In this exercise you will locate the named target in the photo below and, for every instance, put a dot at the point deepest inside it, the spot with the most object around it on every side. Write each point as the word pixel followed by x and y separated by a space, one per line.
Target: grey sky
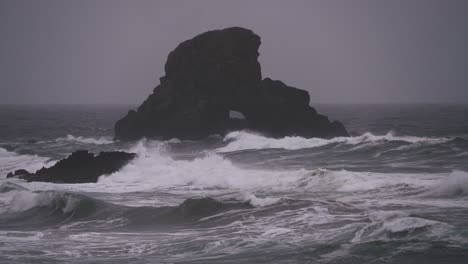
pixel 114 51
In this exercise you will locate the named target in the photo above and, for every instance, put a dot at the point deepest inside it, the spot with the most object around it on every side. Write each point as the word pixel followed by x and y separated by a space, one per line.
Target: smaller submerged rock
pixel 80 167
pixel 19 173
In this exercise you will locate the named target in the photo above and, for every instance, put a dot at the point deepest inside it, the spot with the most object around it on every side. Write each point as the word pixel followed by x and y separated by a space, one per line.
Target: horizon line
pixel 314 103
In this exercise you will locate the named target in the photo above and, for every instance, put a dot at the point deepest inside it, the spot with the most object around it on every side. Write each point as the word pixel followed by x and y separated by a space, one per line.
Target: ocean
pixel 395 191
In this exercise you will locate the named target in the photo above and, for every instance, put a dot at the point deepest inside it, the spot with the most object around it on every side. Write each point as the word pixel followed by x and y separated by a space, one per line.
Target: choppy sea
pixel 395 191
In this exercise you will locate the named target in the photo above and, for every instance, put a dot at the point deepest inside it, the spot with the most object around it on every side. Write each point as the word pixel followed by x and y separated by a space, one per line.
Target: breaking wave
pixel 27 209
pixel 155 169
pixel 241 140
pixel 88 140
pixel 387 225
pixel 258 201
pixel 24 209
pixel 455 184
pixel 12 161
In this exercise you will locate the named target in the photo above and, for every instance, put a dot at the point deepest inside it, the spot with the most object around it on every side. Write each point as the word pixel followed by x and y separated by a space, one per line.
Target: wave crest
pixel 455 184
pixel 387 225
pixel 23 200
pixel 155 169
pixel 88 140
pixel 11 161
pixel 241 140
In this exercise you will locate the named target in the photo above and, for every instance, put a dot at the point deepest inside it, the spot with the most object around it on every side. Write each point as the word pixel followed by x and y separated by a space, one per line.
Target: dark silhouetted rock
pixel 80 167
pixel 19 173
pixel 212 74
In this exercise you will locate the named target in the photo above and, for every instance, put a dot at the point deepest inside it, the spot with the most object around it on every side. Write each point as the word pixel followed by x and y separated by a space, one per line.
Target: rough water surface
pixel 395 191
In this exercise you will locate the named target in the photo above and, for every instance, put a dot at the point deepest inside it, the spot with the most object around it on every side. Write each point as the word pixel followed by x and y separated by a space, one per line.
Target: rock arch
pixel 212 74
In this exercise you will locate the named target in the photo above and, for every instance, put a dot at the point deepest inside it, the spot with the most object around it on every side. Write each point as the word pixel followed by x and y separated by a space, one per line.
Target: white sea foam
pixel 256 201
pixel 153 168
pixel 11 161
pixel 455 184
pixel 394 224
pixel 241 140
pixel 20 200
pixel 88 140
pixel 16 236
pixel 348 181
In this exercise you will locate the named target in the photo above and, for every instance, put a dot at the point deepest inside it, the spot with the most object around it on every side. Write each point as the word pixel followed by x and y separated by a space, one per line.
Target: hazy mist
pixel 109 51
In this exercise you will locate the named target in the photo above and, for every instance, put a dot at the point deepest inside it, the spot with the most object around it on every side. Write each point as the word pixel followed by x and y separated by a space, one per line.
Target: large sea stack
pixel 212 74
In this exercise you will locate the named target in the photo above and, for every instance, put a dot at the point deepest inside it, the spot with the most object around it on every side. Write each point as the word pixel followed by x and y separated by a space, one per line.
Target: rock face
pixel 212 74
pixel 80 167
pixel 19 173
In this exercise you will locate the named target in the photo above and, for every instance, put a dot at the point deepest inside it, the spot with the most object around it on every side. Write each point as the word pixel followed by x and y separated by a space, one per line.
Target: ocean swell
pixel 29 210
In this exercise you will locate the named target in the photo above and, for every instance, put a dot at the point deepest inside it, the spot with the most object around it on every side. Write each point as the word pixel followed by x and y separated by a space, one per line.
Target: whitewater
pixel 396 191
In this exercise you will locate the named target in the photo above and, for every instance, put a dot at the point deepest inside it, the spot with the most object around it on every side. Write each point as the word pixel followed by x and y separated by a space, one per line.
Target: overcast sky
pixel 110 51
